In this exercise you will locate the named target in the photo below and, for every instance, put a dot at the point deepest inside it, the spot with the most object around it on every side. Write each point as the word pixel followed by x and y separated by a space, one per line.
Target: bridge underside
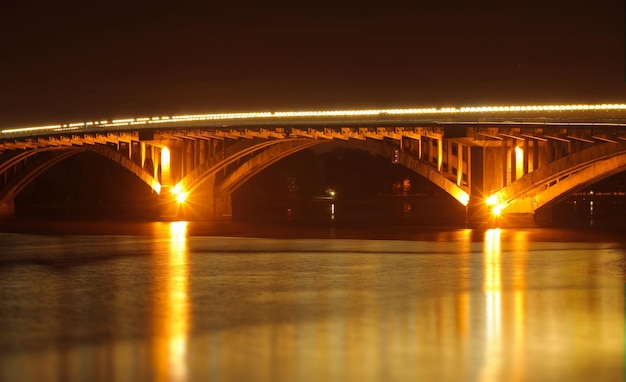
pixel 504 169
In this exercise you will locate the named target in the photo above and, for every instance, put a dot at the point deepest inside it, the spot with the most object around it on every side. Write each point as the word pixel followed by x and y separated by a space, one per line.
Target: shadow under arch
pixel 277 152
pixel 418 166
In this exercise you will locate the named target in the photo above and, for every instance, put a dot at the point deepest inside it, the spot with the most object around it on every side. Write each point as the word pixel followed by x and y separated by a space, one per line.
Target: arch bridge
pixel 499 159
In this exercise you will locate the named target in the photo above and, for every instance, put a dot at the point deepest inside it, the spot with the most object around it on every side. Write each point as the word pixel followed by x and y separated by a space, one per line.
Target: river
pixel 232 301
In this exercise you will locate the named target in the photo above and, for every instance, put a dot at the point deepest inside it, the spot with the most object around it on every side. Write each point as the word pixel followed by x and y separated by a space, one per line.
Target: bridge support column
pixel 7 209
pixel 513 162
pixel 224 207
pixel 439 154
pixel 526 156
pixel 201 204
pixel 504 154
pixel 477 213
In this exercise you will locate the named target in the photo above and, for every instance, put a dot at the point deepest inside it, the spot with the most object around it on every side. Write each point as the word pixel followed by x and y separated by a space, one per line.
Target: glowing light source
pixel 165 156
pixel 179 194
pixel 181 197
pixel 497 209
pixel 165 165
pixel 492 200
pixel 496 206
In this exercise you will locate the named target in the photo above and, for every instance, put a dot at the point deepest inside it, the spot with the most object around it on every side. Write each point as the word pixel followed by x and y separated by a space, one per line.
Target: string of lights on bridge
pixel 146 121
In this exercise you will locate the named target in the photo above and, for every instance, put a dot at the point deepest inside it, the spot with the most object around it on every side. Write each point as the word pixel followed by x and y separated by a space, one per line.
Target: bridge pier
pixel 203 204
pixel 478 214
pixel 199 204
pixel 223 207
pixel 7 209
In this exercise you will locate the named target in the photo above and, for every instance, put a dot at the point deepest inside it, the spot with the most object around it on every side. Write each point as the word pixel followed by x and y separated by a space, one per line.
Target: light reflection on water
pixel 497 305
pixel 493 302
pixel 172 302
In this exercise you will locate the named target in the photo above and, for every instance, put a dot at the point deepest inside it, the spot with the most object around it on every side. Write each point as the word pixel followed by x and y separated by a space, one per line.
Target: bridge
pixel 495 160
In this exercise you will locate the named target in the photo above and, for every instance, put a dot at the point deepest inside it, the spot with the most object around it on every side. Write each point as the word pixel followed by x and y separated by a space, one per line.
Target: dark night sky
pixel 65 61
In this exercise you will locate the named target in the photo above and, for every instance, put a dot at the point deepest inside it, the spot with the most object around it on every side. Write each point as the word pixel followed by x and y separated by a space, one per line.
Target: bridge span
pixel 495 160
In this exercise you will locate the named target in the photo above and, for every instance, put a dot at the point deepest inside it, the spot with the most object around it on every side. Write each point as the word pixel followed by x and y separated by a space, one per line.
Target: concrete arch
pixel 593 173
pixel 15 187
pixel 551 182
pixel 128 164
pixel 207 198
pixel 206 171
pixel 256 164
pixel 418 166
pixel 24 155
pixel 260 162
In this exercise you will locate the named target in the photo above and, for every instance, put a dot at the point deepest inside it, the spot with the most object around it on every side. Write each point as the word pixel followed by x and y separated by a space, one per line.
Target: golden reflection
pixel 173 309
pixel 493 303
pixel 464 298
pixel 520 249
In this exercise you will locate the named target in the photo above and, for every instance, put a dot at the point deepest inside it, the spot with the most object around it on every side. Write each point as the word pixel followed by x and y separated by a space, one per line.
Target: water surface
pixel 244 302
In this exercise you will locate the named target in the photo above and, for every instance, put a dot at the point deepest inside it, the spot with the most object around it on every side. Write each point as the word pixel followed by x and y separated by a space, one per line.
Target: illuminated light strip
pixel 125 120
pixel 329 113
pixel 36 128
pixel 604 124
pixel 115 124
